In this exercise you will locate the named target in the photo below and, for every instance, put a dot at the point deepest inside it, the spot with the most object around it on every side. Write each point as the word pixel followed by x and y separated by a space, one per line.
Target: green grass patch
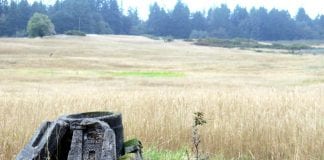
pixel 155 154
pixel 148 74
pixel 55 72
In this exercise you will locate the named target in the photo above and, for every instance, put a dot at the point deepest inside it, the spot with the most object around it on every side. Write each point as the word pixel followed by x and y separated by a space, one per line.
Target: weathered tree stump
pixel 85 136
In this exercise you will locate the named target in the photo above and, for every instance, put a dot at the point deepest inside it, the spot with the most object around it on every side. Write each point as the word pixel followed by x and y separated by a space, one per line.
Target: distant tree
pixel 153 19
pixel 305 28
pixel 63 21
pixel 219 21
pixel 82 15
pixel 239 22
pixel 319 26
pixel 112 15
pixel 24 13
pixel 96 5
pixel 158 22
pixel 3 7
pixel 38 7
pixel 55 8
pixel 198 21
pixel 3 17
pixel 40 25
pixel 133 15
pixel 302 16
pixel 12 19
pixel 132 24
pixel 126 23
pixel 258 23
pixel 180 23
pixel 280 26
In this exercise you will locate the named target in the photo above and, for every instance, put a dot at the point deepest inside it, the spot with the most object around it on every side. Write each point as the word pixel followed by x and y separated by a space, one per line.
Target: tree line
pixel 106 17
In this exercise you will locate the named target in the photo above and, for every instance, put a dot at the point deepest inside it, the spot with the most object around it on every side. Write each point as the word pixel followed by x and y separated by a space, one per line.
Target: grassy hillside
pixel 257 105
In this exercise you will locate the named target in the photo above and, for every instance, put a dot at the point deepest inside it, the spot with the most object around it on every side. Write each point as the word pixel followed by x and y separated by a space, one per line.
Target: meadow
pixel 257 105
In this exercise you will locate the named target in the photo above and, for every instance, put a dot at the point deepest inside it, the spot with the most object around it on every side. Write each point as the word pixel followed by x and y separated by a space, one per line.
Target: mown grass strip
pixel 91 73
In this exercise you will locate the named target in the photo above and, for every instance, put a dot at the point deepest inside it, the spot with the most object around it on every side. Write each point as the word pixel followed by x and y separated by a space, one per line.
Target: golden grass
pixel 265 106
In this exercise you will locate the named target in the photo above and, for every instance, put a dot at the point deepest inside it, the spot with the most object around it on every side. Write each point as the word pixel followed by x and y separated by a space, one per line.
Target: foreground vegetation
pixel 257 105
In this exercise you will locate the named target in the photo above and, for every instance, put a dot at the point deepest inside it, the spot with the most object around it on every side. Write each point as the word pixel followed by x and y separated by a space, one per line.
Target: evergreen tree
pixel 63 21
pixel 198 22
pixel 304 25
pixel 319 26
pixel 239 22
pixel 258 23
pixel 55 8
pixel 3 17
pixel 77 15
pixel 219 21
pixel 180 22
pixel 165 23
pixel 158 21
pixel 38 7
pixel 154 19
pixel 61 18
pixel 12 19
pixel 280 26
pixel 112 15
pixel 302 16
pixel 24 13
pixel 3 7
pixel 132 24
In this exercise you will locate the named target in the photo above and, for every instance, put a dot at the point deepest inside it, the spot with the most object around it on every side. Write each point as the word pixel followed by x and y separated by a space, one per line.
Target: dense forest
pixel 106 17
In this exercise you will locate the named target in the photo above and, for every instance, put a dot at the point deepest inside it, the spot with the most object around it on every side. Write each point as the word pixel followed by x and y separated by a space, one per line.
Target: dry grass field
pixel 257 105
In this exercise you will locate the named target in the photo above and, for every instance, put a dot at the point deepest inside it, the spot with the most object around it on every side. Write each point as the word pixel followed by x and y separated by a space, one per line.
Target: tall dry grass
pixel 264 106
pixel 260 123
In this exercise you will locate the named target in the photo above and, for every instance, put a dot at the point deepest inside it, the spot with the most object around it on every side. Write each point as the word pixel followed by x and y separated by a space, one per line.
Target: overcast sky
pixel 312 7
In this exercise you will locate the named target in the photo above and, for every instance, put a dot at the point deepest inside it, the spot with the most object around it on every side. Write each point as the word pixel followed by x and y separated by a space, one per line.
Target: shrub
pixel 291 48
pixel 247 43
pixel 151 37
pixel 198 34
pixel 75 33
pixel 299 46
pixel 277 46
pixel 228 43
pixel 188 40
pixel 39 25
pixel 168 39
pixel 103 28
pixel 199 120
